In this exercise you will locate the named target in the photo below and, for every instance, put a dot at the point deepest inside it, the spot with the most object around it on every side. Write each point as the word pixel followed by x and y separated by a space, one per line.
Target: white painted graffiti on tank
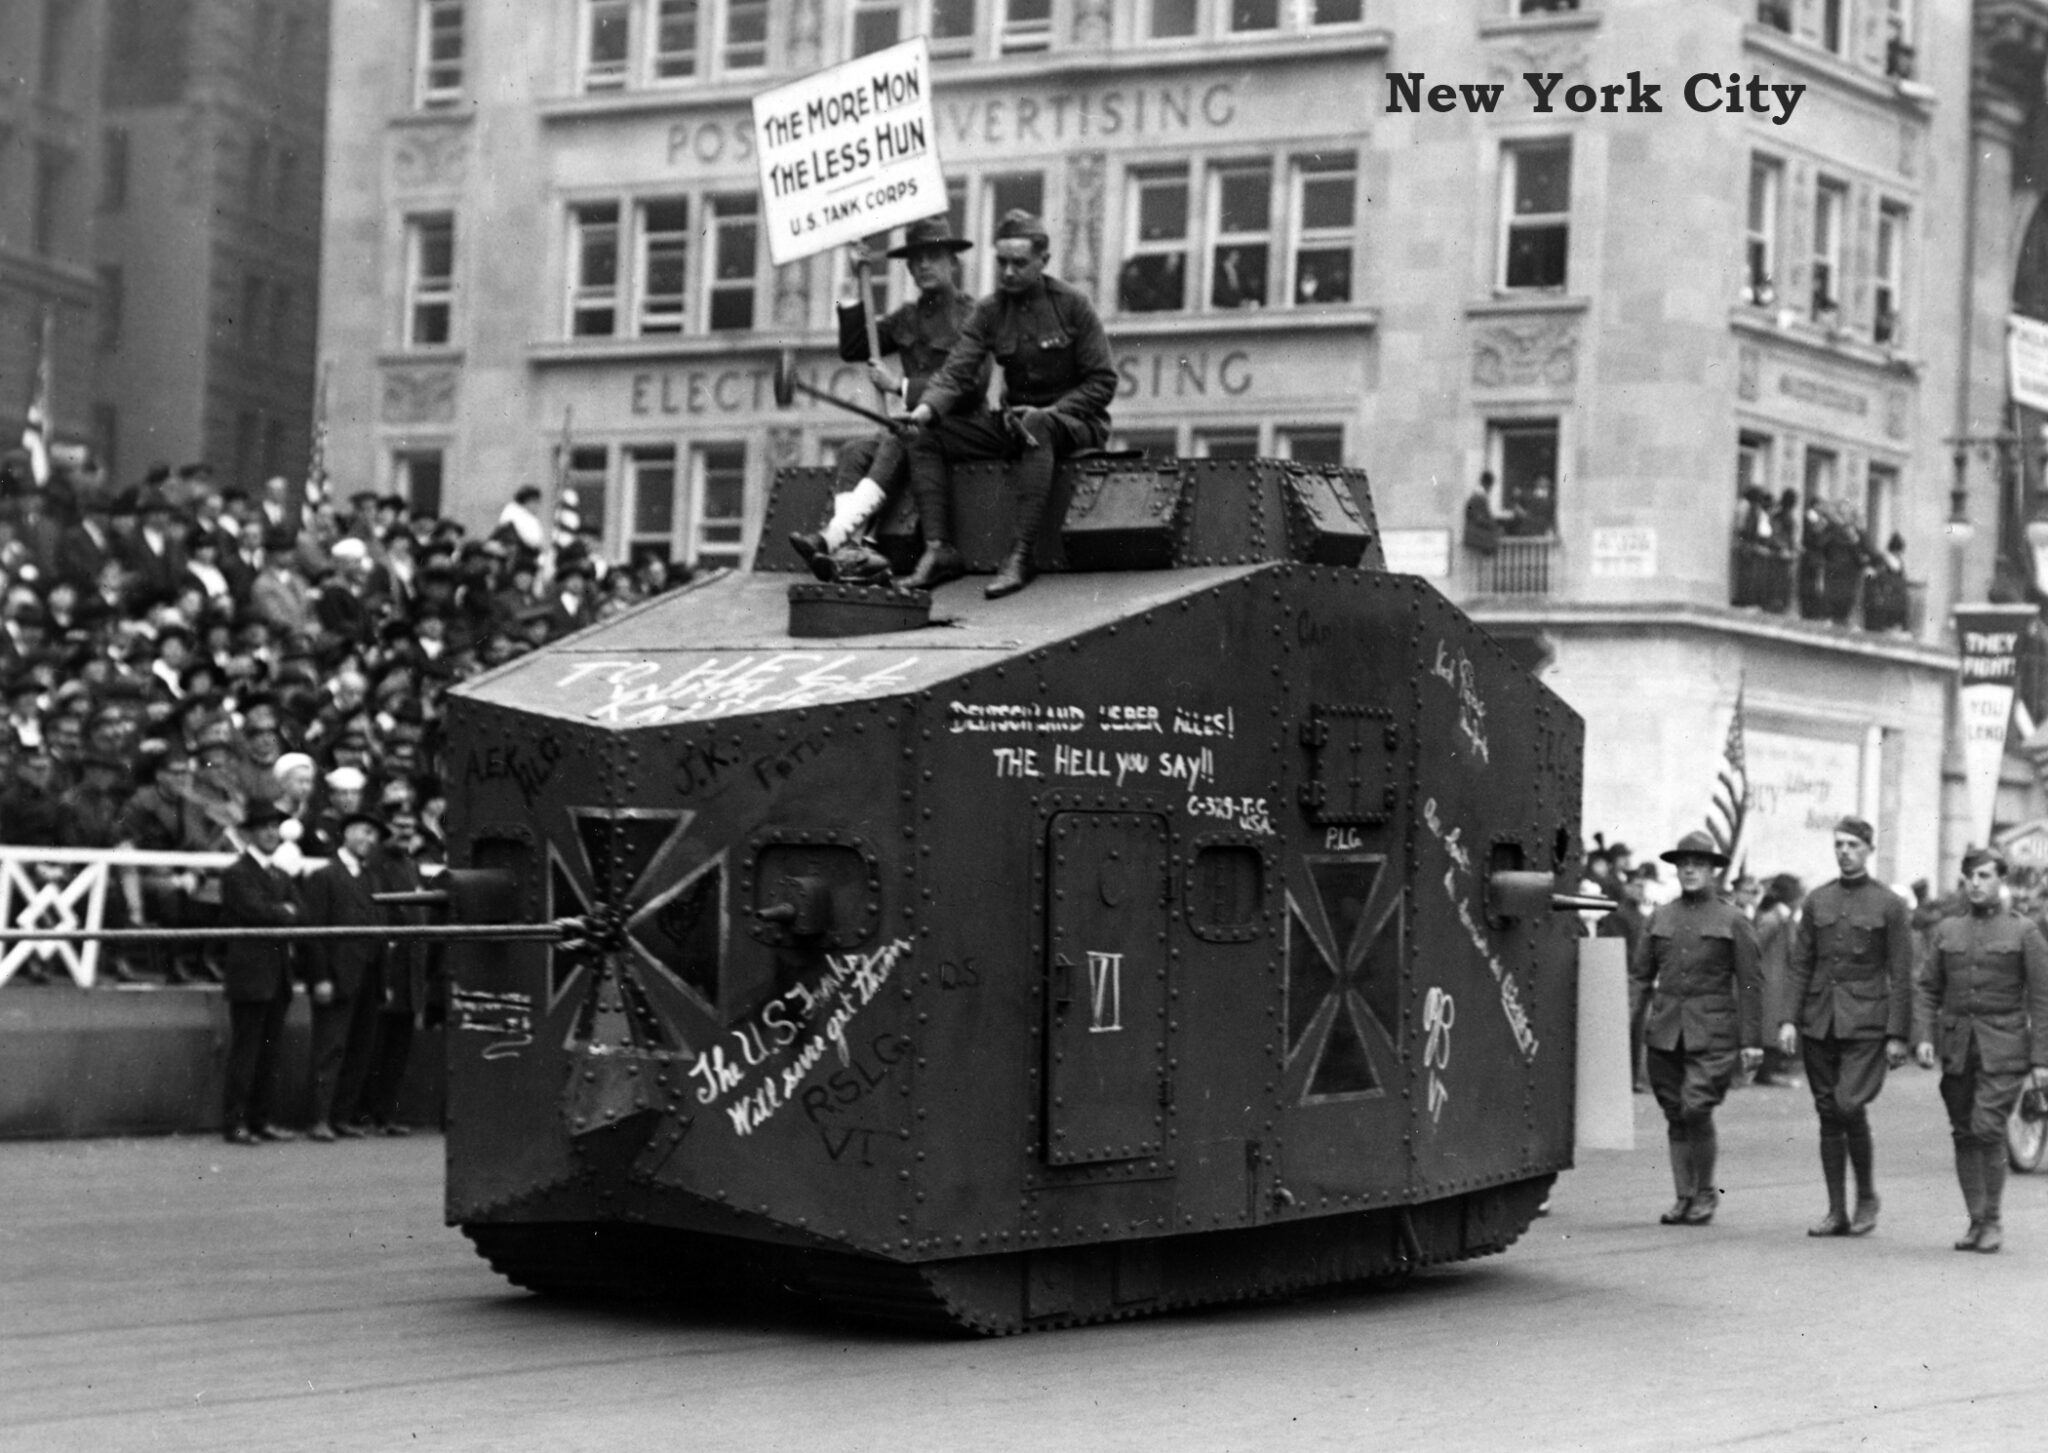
pixel 507 1014
pixel 1459 893
pixel 1458 672
pixel 718 686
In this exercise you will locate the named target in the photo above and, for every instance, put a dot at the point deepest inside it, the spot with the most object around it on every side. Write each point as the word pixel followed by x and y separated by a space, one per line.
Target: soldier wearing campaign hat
pixel 1981 1006
pixel 1696 972
pixel 1849 1007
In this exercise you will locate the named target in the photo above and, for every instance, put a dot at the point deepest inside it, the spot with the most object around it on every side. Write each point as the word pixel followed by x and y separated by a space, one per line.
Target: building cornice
pixel 1900 97
pixel 1826 639
pixel 1011 71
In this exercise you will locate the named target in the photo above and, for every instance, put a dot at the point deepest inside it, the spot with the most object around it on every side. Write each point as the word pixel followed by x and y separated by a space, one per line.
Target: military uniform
pixel 1695 980
pixel 1848 990
pixel 1982 1002
pixel 1055 359
pixel 921 333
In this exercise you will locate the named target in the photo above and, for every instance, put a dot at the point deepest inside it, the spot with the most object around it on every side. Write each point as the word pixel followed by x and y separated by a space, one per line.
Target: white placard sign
pixel 1625 553
pixel 2026 352
pixel 848 152
pixel 1799 787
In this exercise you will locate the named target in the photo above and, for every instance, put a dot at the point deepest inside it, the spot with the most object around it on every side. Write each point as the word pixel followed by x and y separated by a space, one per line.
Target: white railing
pixel 66 889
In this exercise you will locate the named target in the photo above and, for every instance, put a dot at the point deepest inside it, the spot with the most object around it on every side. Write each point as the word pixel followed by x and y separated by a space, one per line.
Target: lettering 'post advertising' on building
pixel 848 152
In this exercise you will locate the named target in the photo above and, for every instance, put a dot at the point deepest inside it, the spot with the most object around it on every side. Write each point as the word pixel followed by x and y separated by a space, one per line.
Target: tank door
pixel 1105 1041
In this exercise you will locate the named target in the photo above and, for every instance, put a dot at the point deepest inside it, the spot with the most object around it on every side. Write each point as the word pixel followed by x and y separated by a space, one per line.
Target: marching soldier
pixel 1696 967
pixel 1982 1001
pixel 1849 993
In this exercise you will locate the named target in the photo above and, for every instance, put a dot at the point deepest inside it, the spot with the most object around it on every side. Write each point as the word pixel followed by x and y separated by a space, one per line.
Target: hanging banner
pixel 848 152
pixel 2026 359
pixel 1990 637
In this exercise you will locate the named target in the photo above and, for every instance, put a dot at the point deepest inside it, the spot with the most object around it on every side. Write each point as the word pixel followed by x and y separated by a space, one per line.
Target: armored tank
pixel 1175 931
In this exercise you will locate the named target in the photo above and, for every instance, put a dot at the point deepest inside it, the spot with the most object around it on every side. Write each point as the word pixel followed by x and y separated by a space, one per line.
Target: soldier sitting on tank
pixel 1058 379
pixel 1696 966
pixel 1981 1006
pixel 871 471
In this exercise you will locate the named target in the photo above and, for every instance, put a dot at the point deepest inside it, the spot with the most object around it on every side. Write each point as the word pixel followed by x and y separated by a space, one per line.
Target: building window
pixel 1777 14
pixel 735 238
pixel 975 205
pixel 588 474
pixel 1153 443
pixel 1153 278
pixel 1226 443
pixel 1898 44
pixel 1186 19
pixel 56 43
pixel 675 40
pixel 1171 19
pixel 1829 202
pixel 1823 474
pixel 947 25
pixel 48 202
pixel 1311 443
pixel 440 52
pixel 661 265
pixel 1833 33
pixel 1340 12
pixel 1325 214
pixel 718 503
pixel 429 281
pixel 1760 261
pixel 417 476
pixel 1240 222
pixel 1026 25
pixel 607 31
pixel 594 270
pixel 1881 504
pixel 113 169
pixel 1253 15
pixel 1536 191
pixel 113 305
pixel 1752 465
pixel 650 479
pixel 1890 280
pixel 1523 456
pixel 745 43
pixel 1545 7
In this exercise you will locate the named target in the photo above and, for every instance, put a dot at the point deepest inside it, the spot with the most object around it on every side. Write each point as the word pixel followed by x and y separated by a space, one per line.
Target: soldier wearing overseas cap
pixel 1981 1003
pixel 1696 968
pixel 1058 380
pixel 1849 1002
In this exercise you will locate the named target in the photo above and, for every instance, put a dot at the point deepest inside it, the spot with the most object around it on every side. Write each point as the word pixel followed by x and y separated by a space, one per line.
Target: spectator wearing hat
pixel 345 786
pixel 277 510
pixel 281 595
pixel 1981 1012
pixel 203 570
pixel 1058 381
pixel 256 892
pixel 1695 980
pixel 571 609
pixel 344 977
pixel 154 555
pixel 404 987
pixel 920 334
pixel 1848 1008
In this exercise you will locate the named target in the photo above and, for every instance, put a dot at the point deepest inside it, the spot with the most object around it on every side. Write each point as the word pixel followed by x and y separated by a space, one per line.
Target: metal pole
pixel 444 932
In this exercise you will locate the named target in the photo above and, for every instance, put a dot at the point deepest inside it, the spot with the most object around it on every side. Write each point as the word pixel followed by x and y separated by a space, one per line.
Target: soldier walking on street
pixel 1696 967
pixel 1849 1004
pixel 1982 1002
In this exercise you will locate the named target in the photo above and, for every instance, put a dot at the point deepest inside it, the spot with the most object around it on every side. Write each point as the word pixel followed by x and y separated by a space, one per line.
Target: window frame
pixel 1216 239
pixel 1215 20
pixel 1300 237
pixel 1830 210
pixel 1762 291
pixel 400 464
pixel 430 93
pixel 1888 273
pixel 588 225
pixel 418 294
pixel 713 220
pixel 699 549
pixel 1498 432
pixel 1512 155
pixel 1135 245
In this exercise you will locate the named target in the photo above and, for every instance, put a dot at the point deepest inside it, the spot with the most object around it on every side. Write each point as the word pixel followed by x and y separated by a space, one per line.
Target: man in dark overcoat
pixel 1981 1005
pixel 1849 1006
pixel 256 977
pixel 344 977
pixel 1696 982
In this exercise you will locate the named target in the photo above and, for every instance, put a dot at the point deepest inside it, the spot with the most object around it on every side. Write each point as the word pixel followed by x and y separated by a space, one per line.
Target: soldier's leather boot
pixel 1990 1236
pixel 939 564
pixel 814 552
pixel 1971 1239
pixel 1834 1169
pixel 1994 1194
pixel 1864 1221
pixel 1707 1198
pixel 1017 572
pixel 1970 1176
pixel 1682 1180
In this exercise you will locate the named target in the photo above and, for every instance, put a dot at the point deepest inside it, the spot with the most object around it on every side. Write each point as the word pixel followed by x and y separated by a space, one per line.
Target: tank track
pixel 1015 1292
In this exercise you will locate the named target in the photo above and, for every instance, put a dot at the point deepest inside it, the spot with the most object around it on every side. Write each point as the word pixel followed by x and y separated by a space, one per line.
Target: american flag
pixel 35 429
pixel 1728 815
pixel 568 516
pixel 316 459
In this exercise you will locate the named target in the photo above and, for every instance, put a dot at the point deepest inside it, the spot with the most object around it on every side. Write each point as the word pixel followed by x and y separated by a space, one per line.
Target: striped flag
pixel 1728 815
pixel 35 429
pixel 568 516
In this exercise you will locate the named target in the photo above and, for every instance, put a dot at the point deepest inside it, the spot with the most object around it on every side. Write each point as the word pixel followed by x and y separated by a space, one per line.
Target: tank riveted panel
pixel 1148 938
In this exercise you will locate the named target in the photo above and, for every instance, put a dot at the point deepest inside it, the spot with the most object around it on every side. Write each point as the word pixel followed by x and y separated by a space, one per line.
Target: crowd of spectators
pixel 173 651
pixel 1818 558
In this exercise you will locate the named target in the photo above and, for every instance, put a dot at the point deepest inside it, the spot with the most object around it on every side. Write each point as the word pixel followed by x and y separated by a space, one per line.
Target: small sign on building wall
pixel 848 152
pixel 2026 347
pixel 1625 553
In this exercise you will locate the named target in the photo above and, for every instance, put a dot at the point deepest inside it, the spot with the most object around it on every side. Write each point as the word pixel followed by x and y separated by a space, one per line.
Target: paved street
pixel 181 1294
